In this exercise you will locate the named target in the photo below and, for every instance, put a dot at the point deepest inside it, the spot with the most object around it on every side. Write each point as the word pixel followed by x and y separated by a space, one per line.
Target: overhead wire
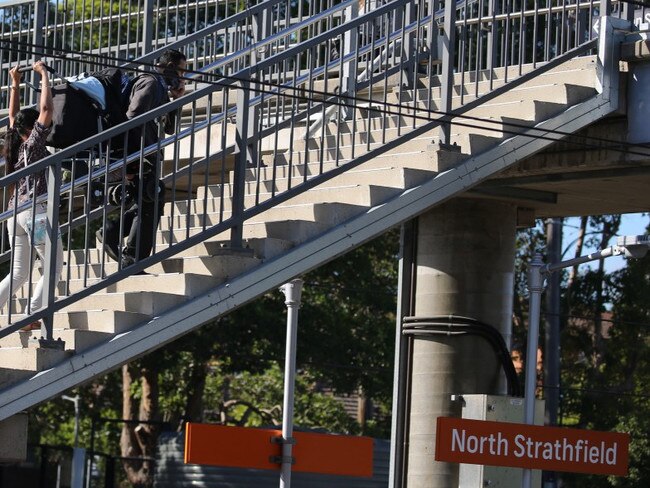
pixel 342 100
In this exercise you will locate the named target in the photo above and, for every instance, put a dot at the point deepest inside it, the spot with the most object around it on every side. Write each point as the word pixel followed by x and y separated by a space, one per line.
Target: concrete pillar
pixel 13 439
pixel 465 266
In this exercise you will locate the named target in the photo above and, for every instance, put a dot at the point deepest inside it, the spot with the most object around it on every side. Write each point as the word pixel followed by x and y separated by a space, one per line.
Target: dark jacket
pixel 149 92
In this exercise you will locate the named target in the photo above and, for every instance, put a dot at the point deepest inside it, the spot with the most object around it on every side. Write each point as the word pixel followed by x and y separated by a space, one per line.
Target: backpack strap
pixel 160 92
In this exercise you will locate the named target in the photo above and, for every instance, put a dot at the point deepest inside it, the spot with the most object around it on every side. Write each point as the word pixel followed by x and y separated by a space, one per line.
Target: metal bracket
pixel 282 459
pixel 57 344
pixel 278 439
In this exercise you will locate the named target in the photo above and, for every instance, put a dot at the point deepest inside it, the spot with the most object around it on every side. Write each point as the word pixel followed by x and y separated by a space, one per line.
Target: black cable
pixel 616 145
pixel 445 325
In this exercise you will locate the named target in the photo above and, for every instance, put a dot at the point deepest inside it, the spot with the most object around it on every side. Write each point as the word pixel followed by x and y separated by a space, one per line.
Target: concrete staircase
pixel 395 182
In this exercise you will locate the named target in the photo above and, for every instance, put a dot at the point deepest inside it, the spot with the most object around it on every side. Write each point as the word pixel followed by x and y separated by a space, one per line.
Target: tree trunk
pixel 578 252
pixel 196 387
pixel 139 440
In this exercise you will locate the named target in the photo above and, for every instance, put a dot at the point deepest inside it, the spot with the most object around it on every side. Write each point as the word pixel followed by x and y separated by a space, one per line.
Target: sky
pixel 631 224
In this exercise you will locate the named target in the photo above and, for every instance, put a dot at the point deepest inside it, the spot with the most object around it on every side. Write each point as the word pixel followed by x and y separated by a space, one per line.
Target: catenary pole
pixel 552 334
pixel 630 246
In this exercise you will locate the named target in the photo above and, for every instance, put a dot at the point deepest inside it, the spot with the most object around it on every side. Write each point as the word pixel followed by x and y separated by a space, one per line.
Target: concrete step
pixel 468 143
pixel 389 175
pixel 428 160
pixel 492 127
pixel 187 284
pixel 31 359
pixel 326 213
pixel 219 268
pixel 257 248
pixel 75 340
pixel 106 321
pixel 20 363
pixel 352 194
pixel 144 302
pixel 297 230
pixel 565 70
pixel 10 375
pixel 549 90
pixel 530 110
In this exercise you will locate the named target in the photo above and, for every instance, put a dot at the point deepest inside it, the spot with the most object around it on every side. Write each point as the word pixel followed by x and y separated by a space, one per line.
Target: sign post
pixel 292 292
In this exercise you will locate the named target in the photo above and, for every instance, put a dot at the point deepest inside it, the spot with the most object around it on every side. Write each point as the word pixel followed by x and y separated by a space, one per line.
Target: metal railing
pixel 243 133
pixel 87 30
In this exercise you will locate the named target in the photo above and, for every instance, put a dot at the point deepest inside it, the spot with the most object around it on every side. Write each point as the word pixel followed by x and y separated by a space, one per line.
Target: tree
pixel 604 346
pixel 229 371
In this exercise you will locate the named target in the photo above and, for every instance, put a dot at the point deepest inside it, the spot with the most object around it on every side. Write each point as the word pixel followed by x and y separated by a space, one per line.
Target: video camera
pixel 127 192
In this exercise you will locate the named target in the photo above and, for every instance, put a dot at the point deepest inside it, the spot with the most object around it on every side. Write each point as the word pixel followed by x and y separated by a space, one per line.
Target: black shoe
pixel 128 261
pixel 112 251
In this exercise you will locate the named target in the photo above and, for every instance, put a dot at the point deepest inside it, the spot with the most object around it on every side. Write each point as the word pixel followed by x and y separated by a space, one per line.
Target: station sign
pixel 246 447
pixel 531 447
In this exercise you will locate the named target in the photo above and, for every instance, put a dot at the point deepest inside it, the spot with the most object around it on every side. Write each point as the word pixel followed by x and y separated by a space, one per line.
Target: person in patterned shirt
pixel 25 145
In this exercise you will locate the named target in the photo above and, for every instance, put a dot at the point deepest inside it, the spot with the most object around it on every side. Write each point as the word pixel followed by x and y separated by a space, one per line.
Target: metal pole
pixel 78 454
pixel 448 53
pixel 147 27
pixel 405 287
pixel 51 255
pixel 89 464
pixel 552 335
pixel 37 38
pixel 535 288
pixel 631 246
pixel 242 159
pixel 292 292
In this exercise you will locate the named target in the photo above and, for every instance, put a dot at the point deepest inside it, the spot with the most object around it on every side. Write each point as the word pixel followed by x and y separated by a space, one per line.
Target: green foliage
pixel 255 400
pixel 231 369
pixel 605 349
pixel 52 423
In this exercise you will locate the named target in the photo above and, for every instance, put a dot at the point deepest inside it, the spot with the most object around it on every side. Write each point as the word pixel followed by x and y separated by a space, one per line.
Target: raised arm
pixel 45 105
pixel 14 95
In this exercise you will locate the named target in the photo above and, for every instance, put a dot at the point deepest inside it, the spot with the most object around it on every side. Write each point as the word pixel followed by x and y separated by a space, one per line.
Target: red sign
pixel 531 446
pixel 245 447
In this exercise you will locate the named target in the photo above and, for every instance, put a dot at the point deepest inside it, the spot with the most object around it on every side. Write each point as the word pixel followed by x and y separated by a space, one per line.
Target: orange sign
pixel 531 446
pixel 245 447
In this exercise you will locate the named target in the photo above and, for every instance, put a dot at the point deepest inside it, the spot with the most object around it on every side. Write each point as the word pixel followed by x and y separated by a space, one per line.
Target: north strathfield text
pixel 486 442
pixel 522 446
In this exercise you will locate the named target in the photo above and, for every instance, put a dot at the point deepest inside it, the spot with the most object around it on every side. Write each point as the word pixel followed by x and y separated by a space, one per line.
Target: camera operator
pixel 141 214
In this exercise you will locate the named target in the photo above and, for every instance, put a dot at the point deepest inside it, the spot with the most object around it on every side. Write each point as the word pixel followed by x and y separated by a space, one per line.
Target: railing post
pixel 408 60
pixel 147 27
pixel 348 83
pixel 244 157
pixel 609 54
pixel 605 8
pixel 50 266
pixel 261 28
pixel 491 36
pixel 448 51
pixel 431 39
pixel 37 40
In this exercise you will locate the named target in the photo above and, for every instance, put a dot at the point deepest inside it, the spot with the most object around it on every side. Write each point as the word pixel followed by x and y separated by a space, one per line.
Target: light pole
pixel 78 454
pixel 630 246
pixel 292 291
